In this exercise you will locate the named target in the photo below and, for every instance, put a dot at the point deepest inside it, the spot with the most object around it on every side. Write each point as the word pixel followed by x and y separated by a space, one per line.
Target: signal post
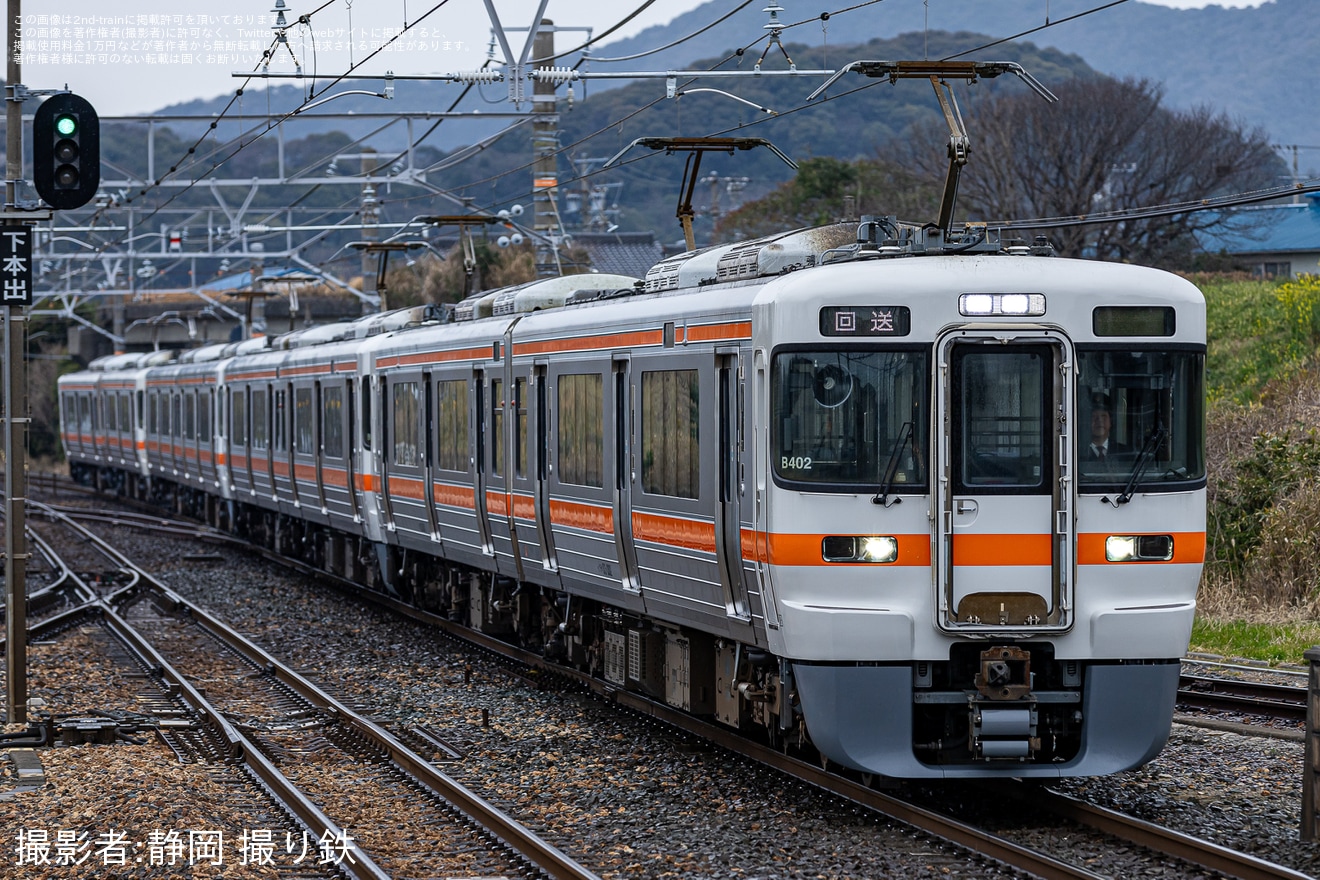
pixel 15 402
pixel 66 173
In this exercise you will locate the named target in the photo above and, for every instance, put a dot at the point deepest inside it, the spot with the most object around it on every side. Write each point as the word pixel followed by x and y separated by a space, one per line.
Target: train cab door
pixel 1004 506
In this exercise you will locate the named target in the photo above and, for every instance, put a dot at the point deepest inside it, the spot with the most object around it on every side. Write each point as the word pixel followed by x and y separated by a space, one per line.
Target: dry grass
pixel 1263 560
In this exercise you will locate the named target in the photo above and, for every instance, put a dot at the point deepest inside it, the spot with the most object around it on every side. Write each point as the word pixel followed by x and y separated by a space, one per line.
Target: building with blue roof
pixel 1273 241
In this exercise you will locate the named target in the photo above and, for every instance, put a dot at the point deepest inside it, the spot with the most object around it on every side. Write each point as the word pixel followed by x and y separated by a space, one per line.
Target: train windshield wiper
pixel 891 468
pixel 1144 460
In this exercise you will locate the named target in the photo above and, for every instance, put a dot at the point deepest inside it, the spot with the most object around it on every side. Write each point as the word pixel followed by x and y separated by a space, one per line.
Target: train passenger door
pixel 497 483
pixel 540 450
pixel 304 458
pixel 622 475
pixel 404 456
pixel 484 439
pixel 352 458
pixel 286 489
pixel 520 477
pixel 728 534
pixel 1005 507
pixel 383 453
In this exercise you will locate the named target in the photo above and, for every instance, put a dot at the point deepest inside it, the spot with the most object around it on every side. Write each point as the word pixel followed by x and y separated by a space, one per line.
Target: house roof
pixel 1274 229
pixel 243 280
pixel 621 253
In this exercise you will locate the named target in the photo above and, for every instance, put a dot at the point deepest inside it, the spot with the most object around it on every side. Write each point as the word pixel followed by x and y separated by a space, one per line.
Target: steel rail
pixel 1195 850
pixel 1156 838
pixel 1261 698
pixel 547 858
pixel 946 828
pixel 356 863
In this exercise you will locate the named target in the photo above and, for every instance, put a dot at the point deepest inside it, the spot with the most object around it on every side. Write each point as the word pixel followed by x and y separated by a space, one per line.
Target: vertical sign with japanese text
pixel 16 265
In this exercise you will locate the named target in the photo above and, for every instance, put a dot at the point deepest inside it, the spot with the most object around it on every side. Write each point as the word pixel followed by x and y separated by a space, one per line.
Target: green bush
pixel 1245 496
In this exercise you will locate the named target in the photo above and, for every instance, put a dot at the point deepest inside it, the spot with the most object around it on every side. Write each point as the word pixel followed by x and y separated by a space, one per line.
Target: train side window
pixel 302 421
pixel 260 417
pixel 497 438
pixel 520 413
pixel 125 416
pixel 365 397
pixel 671 410
pixel 840 416
pixel 141 417
pixel 189 415
pixel 238 417
pixel 1142 414
pixel 581 430
pixel 451 425
pixel 405 404
pixel 332 422
pixel 204 415
pixel 176 415
pixel 279 422
pixel 111 415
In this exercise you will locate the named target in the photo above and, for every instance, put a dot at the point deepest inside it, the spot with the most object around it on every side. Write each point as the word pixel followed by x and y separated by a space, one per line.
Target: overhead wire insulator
pixel 555 75
pixel 478 76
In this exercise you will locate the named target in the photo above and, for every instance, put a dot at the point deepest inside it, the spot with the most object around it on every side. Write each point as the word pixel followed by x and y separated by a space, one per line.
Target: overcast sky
pixel 137 56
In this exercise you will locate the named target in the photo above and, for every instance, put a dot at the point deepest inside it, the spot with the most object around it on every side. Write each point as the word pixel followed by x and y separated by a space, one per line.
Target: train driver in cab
pixel 1102 447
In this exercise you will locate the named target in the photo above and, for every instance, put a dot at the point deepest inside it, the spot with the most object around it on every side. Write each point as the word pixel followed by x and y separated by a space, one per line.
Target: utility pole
pixel 545 144
pixel 370 234
pixel 15 404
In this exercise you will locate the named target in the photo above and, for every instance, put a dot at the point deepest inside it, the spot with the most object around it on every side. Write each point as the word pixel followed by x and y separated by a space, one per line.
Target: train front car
pixel 984 508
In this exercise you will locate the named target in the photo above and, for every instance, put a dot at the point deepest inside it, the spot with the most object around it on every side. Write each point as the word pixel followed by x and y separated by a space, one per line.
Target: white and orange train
pixel 938 510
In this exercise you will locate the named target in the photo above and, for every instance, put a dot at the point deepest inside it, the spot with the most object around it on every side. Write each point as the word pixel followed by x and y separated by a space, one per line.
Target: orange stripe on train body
pixel 524 507
pixel 582 516
pixel 452 495
pixel 674 531
pixel 337 477
pixel 434 357
pixel 407 487
pixel 591 343
pixel 1023 549
pixel 714 332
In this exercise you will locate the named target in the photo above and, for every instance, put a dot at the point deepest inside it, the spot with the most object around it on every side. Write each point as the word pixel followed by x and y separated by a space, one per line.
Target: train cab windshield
pixel 844 419
pixel 1141 419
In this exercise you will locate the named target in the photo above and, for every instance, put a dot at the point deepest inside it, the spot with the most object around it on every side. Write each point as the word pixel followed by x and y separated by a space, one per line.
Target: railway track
pixel 1278 701
pixel 1169 844
pixel 316 754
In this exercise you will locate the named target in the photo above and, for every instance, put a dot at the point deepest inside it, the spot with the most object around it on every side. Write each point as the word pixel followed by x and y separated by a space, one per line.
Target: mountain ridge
pixel 1208 56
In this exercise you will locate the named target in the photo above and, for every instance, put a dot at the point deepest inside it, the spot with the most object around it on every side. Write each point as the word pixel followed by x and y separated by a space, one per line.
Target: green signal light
pixel 66 125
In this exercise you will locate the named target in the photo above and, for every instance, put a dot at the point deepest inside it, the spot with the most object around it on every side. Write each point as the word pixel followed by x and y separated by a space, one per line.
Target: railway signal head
pixel 66 151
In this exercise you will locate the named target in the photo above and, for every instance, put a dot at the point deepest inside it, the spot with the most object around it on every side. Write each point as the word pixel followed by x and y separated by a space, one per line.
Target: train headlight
pixel 989 304
pixel 1139 548
pixel 849 548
